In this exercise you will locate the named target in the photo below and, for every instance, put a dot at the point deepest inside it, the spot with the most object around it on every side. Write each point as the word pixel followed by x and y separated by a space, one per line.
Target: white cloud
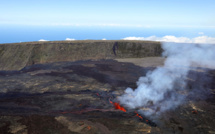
pixel 69 39
pixel 43 40
pixel 201 33
pixel 170 38
pixel 104 39
pixel 204 39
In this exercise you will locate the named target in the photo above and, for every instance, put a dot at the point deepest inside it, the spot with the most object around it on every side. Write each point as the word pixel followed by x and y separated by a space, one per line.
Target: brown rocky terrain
pixel 16 56
pixel 66 88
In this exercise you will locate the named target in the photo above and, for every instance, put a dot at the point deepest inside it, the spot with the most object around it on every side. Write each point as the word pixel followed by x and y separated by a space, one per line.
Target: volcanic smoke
pixel 160 89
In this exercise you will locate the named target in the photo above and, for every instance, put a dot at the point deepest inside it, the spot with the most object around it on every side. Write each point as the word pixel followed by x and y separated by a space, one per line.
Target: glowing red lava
pixel 88 127
pixel 117 106
pixel 195 112
pixel 138 115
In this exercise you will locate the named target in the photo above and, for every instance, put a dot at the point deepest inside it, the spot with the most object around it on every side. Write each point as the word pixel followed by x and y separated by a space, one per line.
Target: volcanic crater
pixel 49 89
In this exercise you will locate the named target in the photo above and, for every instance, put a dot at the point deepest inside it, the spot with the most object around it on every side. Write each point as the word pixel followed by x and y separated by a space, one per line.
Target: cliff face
pixel 18 55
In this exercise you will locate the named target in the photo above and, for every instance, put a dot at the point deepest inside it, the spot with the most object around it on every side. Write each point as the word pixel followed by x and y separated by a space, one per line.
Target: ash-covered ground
pixel 74 97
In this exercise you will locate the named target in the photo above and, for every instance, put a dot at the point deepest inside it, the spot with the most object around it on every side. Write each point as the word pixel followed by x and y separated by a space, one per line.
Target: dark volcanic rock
pixel 68 97
pixel 74 97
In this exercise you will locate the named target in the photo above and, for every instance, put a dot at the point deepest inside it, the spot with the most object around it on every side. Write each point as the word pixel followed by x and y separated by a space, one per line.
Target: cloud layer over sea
pixel 171 38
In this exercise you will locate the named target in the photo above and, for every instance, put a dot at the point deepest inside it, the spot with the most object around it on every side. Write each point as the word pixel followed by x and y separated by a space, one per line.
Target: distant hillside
pixel 18 55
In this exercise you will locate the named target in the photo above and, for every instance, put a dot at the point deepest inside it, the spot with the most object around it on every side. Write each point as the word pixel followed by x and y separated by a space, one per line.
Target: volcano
pixel 80 95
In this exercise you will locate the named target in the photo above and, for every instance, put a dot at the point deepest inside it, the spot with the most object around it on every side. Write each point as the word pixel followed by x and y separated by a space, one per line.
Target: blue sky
pixel 112 14
pixel 182 13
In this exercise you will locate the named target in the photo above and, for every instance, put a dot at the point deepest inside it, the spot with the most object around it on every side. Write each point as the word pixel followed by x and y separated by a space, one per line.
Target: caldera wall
pixel 18 55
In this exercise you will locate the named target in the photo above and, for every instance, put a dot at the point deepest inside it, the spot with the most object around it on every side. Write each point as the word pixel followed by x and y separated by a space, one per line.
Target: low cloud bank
pixel 43 40
pixel 170 38
pixel 70 39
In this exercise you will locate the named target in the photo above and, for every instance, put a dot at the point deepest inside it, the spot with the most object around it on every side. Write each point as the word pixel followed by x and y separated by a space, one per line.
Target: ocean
pixel 13 34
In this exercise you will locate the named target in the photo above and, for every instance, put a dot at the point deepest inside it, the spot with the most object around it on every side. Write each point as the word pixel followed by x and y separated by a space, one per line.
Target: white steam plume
pixel 160 89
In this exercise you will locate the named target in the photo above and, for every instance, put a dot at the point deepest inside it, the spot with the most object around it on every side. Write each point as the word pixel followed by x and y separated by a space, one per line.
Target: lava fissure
pixel 117 106
pixel 138 115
